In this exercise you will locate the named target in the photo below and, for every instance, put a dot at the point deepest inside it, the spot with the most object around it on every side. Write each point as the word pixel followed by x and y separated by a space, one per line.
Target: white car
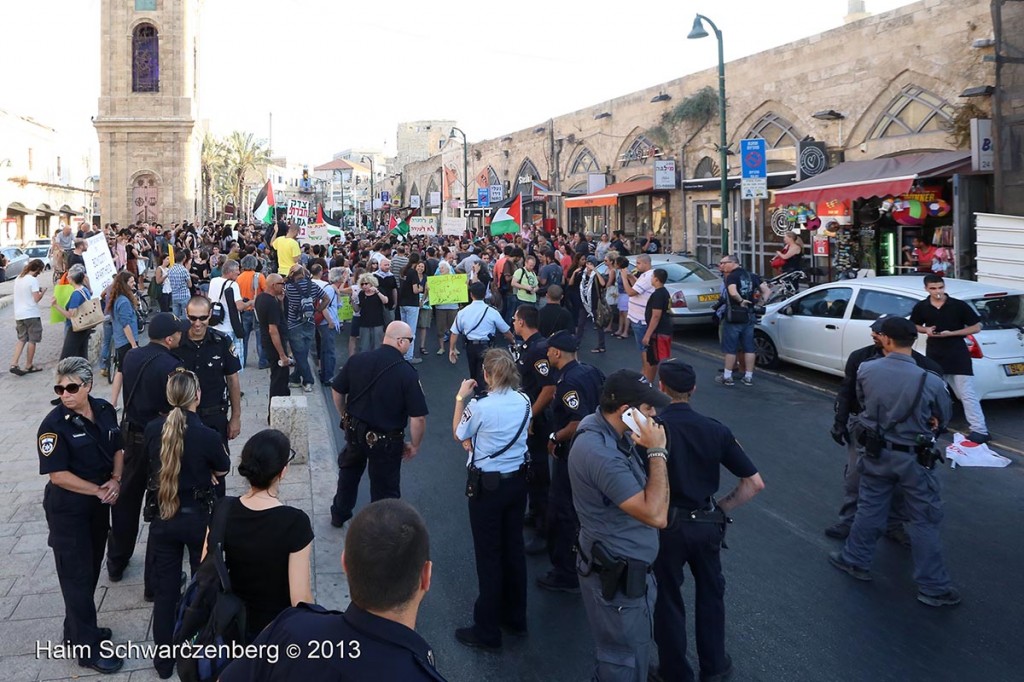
pixel 693 287
pixel 820 327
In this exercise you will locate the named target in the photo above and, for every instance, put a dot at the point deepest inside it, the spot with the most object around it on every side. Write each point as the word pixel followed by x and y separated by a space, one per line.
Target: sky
pixel 340 74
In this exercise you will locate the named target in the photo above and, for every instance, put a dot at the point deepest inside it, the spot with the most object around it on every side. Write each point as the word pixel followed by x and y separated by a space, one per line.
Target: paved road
pixel 791 616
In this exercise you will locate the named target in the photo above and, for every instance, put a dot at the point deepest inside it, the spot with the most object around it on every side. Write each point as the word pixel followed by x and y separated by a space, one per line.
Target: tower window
pixel 145 5
pixel 145 59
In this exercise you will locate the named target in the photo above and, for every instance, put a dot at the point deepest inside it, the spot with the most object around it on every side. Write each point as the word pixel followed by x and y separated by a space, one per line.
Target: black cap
pixel 899 328
pixel 629 387
pixel 477 290
pixel 876 326
pixel 677 375
pixel 564 340
pixel 165 324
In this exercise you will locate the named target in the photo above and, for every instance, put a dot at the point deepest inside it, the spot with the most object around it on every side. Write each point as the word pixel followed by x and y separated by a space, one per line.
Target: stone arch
pixel 707 167
pixel 639 176
pixel 914 110
pixel 585 162
pixel 145 58
pixel 636 149
pixel 414 191
pixel 767 107
pixel 527 167
pixel 144 193
pixel 865 123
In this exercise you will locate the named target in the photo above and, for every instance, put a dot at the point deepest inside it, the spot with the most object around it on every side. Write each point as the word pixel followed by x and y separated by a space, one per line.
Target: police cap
pixel 677 375
pixel 899 329
pixel 876 326
pixel 165 324
pixel 629 387
pixel 564 340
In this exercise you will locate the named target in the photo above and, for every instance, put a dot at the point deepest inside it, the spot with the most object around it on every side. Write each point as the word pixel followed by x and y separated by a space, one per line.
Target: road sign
pixel 754 168
pixel 385 197
pixel 754 188
pixel 483 197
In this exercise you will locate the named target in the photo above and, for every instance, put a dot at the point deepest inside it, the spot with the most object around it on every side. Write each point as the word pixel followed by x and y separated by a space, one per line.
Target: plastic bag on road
pixel 969 454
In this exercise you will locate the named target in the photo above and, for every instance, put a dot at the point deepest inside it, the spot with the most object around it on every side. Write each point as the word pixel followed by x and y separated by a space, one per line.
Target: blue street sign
pixel 753 158
pixel 496 194
pixel 483 197
pixel 385 197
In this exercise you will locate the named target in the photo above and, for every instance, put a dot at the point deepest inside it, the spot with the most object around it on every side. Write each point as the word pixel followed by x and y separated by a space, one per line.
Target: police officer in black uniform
pixel 79 446
pixel 211 355
pixel 376 393
pixel 698 446
pixel 375 638
pixel 577 394
pixel 539 385
pixel 145 379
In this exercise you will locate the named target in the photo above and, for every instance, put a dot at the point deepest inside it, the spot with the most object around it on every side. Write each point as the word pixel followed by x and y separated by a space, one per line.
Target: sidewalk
pixel 31 608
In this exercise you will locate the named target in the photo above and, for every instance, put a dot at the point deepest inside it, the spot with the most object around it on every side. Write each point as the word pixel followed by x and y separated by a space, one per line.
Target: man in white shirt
pixel 231 303
pixel 28 319
pixel 639 290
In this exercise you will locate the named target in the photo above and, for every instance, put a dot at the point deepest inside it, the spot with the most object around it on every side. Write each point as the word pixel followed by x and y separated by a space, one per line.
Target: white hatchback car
pixel 820 327
pixel 694 288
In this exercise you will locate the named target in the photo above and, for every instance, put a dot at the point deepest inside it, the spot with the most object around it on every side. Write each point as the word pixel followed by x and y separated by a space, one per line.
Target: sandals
pixel 17 371
pixel 32 369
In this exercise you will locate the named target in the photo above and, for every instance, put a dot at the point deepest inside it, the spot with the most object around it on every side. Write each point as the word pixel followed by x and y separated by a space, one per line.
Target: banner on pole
pixel 448 289
pixel 314 234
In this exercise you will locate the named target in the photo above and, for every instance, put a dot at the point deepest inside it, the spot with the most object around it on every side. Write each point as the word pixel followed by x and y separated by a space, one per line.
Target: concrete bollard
pixel 290 415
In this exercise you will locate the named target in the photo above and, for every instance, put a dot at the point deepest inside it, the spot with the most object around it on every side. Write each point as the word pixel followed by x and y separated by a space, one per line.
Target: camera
pixel 758 309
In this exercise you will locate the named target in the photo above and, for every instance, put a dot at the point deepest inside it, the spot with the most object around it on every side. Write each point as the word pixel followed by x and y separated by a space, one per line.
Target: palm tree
pixel 212 161
pixel 244 153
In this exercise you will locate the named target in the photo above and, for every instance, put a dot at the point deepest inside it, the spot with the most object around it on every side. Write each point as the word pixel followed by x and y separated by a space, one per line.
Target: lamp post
pixel 341 183
pixel 373 198
pixel 723 148
pixel 465 166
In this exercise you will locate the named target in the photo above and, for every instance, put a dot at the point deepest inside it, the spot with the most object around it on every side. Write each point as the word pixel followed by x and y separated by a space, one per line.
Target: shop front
pixel 890 216
pixel 634 207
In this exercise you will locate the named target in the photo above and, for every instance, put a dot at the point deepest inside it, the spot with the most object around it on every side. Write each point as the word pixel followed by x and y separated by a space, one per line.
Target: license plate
pixel 1014 370
pixel 707 298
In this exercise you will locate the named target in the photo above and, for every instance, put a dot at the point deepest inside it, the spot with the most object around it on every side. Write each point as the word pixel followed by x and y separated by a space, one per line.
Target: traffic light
pixel 305 175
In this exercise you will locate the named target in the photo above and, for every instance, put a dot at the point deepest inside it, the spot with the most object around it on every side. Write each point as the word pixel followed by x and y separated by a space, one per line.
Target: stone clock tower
pixel 149 141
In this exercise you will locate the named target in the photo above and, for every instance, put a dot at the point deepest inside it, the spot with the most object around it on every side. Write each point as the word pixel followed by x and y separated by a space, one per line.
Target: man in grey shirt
pixel 618 542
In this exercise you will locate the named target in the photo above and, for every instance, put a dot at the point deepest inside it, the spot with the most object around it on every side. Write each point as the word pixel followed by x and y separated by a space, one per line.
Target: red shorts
pixel 660 348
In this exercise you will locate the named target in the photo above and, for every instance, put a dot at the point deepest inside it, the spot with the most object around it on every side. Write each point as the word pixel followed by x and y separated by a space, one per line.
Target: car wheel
pixel 765 353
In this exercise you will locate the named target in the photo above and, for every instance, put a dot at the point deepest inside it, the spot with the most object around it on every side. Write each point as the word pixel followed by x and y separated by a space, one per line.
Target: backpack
pixel 209 613
pixel 310 304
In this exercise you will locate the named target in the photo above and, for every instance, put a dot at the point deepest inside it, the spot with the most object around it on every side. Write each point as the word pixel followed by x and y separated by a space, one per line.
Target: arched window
pixel 706 168
pixel 585 163
pixel 914 110
pixel 776 131
pixel 145 59
pixel 527 170
pixel 639 152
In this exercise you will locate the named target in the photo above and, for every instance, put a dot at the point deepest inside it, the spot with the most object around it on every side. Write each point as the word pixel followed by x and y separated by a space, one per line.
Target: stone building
pixel 877 86
pixel 149 140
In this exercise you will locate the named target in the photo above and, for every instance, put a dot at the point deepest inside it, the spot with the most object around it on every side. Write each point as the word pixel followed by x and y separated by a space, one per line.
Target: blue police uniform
pixel 698 446
pixel 145 372
pixel 213 358
pixel 477 323
pixel 497 422
pixel 362 646
pixel 577 394
pixel 887 389
pixel 202 454
pixel 78 523
pixel 383 391
pixel 537 374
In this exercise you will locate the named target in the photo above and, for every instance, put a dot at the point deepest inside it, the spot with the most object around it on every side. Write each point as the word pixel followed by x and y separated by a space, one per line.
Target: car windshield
pixel 689 271
pixel 37 251
pixel 1000 312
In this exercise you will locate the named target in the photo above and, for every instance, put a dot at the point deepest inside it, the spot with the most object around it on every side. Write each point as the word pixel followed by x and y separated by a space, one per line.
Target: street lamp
pixel 698 31
pixel 465 166
pixel 372 196
pixel 341 182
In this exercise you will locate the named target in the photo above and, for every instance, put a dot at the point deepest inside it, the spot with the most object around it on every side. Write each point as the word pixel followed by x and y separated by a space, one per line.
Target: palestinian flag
pixel 333 226
pixel 263 209
pixel 401 227
pixel 508 217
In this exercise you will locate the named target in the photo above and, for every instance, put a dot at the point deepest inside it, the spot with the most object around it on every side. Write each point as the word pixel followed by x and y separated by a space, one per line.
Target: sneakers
pixel 721 379
pixel 836 559
pixel 978 438
pixel 948 598
pixel 840 531
pixel 294 384
pixel 747 381
pixel 415 361
pixel 440 351
pixel 423 351
pixel 307 388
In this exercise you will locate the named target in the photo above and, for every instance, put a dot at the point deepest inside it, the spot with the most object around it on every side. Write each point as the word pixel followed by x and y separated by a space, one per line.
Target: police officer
pixel 698 446
pixel 145 379
pixel 478 322
pixel 903 406
pixel 375 638
pixel 376 393
pixel 211 355
pixel 189 453
pixel 538 380
pixel 847 407
pixel 621 502
pixel 79 445
pixel 576 395
pixel 493 428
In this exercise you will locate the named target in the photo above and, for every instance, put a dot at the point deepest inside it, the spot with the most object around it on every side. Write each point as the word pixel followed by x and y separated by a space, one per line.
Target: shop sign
pixel 820 246
pixel 664 174
pixel 496 194
pixel 833 208
pixel 982 149
pixel 923 194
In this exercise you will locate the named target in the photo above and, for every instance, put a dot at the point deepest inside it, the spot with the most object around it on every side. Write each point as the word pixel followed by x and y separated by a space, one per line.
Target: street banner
pixel 448 289
pixel 453 225
pixel 423 226
pixel 298 212
pixel 99 264
pixel 314 234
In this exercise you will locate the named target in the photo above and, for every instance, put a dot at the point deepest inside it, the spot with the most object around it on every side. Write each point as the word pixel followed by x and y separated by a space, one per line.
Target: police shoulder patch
pixel 47 444
pixel 572 400
pixel 467 414
pixel 542 367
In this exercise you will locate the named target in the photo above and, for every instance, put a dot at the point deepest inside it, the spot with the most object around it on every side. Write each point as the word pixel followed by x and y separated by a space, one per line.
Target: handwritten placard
pixel 314 234
pixel 99 264
pixel 453 225
pixel 444 289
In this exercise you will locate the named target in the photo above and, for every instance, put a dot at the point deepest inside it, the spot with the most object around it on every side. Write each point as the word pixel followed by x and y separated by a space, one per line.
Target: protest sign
pixel 99 264
pixel 298 212
pixel 447 289
pixel 452 225
pixel 314 234
pixel 422 226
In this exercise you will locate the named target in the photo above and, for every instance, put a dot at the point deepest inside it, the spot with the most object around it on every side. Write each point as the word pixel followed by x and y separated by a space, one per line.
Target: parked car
pixel 16 261
pixel 820 327
pixel 40 252
pixel 694 288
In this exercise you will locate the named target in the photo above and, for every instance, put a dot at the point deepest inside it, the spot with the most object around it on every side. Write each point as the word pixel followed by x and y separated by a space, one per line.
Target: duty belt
pixel 370 436
pixel 211 411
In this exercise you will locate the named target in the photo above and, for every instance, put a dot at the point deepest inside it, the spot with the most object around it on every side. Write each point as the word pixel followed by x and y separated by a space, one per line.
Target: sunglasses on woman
pixel 59 389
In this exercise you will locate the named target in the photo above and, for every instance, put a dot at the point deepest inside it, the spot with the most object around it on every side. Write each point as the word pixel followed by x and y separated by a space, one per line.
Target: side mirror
pixel 788 310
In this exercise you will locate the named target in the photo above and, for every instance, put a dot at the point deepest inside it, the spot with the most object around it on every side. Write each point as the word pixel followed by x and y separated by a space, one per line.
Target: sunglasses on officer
pixel 59 389
pixel 198 318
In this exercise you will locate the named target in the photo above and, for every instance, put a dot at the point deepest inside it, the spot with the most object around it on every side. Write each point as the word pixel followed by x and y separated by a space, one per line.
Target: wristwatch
pixel 553 437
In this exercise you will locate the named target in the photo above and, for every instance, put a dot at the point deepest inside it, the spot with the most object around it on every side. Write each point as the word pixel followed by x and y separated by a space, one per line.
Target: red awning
pixel 609 196
pixel 875 178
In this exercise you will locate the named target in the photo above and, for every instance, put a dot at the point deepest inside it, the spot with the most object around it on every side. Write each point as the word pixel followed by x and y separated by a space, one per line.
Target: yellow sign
pixel 444 289
pixel 345 311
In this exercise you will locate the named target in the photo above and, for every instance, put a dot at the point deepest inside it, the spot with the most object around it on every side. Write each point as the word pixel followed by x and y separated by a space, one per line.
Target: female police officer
pixel 493 430
pixel 79 446
pixel 184 457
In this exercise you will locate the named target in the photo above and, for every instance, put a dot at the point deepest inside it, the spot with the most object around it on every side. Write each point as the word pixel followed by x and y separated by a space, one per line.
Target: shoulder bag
pixel 88 315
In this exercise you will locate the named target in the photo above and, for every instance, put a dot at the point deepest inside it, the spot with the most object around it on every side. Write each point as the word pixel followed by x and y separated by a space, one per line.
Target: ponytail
pixel 182 391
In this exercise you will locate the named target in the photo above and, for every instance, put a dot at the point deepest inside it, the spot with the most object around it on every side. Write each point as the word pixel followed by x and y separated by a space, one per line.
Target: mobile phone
pixel 634 419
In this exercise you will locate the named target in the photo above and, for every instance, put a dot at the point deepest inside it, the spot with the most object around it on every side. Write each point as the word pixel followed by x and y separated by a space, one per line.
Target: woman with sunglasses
pixel 185 457
pixel 122 307
pixel 80 448
pixel 267 544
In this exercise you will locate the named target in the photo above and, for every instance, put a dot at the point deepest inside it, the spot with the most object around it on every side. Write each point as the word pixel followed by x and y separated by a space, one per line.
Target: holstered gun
pixel 610 570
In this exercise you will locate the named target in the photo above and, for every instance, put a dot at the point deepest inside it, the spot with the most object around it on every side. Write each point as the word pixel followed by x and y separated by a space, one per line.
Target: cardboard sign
pixel 313 234
pixel 99 264
pixel 422 226
pixel 298 212
pixel 453 226
pixel 448 289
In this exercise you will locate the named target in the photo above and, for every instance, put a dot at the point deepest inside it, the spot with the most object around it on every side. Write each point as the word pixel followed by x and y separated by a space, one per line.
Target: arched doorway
pixel 145 199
